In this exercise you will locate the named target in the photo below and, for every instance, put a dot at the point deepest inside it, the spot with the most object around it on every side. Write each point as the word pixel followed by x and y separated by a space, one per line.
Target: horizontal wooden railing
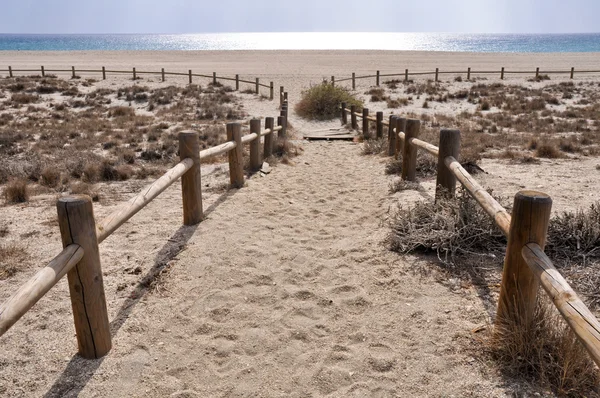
pixel 11 72
pixel 501 73
pixel 526 266
pixel 81 235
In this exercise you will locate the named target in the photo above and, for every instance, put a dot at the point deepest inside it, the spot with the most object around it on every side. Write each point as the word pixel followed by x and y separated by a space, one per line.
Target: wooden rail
pixel 80 258
pixel 104 72
pixel 526 266
pixel 502 72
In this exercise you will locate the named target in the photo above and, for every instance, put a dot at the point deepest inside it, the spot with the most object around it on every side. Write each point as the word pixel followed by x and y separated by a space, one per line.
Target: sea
pixel 457 42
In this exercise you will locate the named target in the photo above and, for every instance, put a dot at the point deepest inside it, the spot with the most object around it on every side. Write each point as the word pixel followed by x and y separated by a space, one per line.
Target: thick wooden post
pixel 10 73
pixel 353 120
pixel 285 99
pixel 43 72
pixel 449 146
pixel 237 82
pixel 400 127
pixel 73 72
pixel 332 81
pixel 103 73
pixel 392 135
pixel 537 72
pixel 365 123
pixel 502 73
pixel 271 89
pixel 572 72
pixel 469 73
pixel 281 95
pixel 134 75
pixel 269 141
pixel 282 121
pixel 437 71
pixel 529 224
pixel 344 114
pixel 353 81
pixel 214 78
pixel 191 181
pixel 255 161
pixel 379 117
pixel 77 225
pixel 406 75
pixel 409 152
pixel 236 155
pixel 162 74
pixel 190 76
pixel 377 79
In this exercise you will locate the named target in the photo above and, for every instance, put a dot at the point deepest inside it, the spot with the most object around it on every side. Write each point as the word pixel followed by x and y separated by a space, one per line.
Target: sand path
pixel 286 290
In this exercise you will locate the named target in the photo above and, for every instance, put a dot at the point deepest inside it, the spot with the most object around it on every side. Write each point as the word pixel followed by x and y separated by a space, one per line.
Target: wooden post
pixel 10 74
pixel 134 76
pixel 284 109
pixel 285 98
pixel 191 181
pixel 190 76
pixel 269 141
pixel 365 123
pixel 344 114
pixel 162 74
pixel 353 120
pixel 377 79
pixel 437 71
pixel 282 121
pixel 77 225
pixel 73 72
pixel 502 73
pixel 257 86
pixel 529 224
pixel 281 95
pixel 469 73
pixel 537 72
pixel 236 155
pixel 43 72
pixel 237 82
pixel 400 127
pixel 449 146
pixel 409 152
pixel 255 161
pixel 392 136
pixel 271 94
pixel 572 72
pixel 332 81
pixel 214 78
pixel 103 73
pixel 379 117
pixel 353 81
pixel 406 75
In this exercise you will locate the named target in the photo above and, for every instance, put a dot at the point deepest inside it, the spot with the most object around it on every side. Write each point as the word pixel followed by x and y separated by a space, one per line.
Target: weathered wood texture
pixel 409 152
pixel 379 124
pixel 269 138
pixel 365 123
pixel 449 146
pixel 353 119
pixel 392 135
pixel 86 287
pixel 400 128
pixel 191 181
pixel 282 122
pixel 236 160
pixel 255 160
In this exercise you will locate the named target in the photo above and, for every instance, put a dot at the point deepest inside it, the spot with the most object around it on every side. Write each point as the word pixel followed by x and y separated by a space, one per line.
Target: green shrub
pixel 322 102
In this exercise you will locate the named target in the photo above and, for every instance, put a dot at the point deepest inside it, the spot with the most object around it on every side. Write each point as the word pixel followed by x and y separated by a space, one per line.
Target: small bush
pixel 547 151
pixel 50 176
pixel 24 98
pixel 403 185
pixel 120 111
pixel 322 102
pixel 16 191
pixel 12 257
pixel 484 106
pixel 374 146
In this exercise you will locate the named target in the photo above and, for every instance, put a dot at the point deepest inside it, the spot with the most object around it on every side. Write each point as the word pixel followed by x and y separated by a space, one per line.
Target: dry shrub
pixel 50 176
pixel 81 188
pixel 16 191
pixel 402 185
pixel 426 165
pixel 121 111
pixel 374 146
pixel 546 352
pixel 322 102
pixel 24 98
pixel 284 149
pixel 12 257
pixel 547 150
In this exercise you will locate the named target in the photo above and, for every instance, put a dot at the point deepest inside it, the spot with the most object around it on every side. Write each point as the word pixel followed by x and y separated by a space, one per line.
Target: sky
pixel 201 16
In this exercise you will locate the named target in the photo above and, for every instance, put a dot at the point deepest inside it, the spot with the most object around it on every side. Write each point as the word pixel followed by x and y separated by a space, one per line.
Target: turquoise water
pixel 309 41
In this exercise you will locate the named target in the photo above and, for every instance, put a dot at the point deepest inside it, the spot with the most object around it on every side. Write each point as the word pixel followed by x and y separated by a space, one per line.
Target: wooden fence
pixel 501 73
pixel 163 74
pixel 81 235
pixel 525 266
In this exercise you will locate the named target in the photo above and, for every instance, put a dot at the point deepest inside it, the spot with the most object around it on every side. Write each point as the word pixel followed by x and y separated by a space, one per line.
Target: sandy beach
pixel 286 289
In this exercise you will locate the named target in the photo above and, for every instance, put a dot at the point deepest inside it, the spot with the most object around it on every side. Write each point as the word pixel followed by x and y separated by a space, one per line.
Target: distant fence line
pixel 502 72
pixel 525 266
pixel 163 74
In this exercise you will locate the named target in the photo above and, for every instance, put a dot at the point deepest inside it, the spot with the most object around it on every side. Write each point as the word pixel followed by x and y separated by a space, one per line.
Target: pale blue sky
pixel 188 16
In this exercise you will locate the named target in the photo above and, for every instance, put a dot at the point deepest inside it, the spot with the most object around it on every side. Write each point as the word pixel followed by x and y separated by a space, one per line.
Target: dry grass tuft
pixel 12 258
pixel 546 150
pixel 16 191
pixel 402 185
pixel 322 102
pixel 374 146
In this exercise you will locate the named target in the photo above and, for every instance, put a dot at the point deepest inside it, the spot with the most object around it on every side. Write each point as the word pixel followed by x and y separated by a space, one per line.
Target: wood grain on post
pixel 392 135
pixel 103 73
pixel 236 155
pixel 572 72
pixel 10 73
pixel 271 91
pixel 162 74
pixel 134 75
pixel 379 116
pixel 282 121
pixel 353 120
pixel 43 72
pixel 365 123
pixel 237 82
pixel 449 146
pixel 502 73
pixel 518 291
pixel 255 161
pixel 400 128
pixel 469 73
pixel 437 71
pixel 269 138
pixel 214 78
pixel 191 181
pixel 77 226
pixel 344 114
pixel 353 81
pixel 377 79
pixel 73 72
pixel 190 76
pixel 409 152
